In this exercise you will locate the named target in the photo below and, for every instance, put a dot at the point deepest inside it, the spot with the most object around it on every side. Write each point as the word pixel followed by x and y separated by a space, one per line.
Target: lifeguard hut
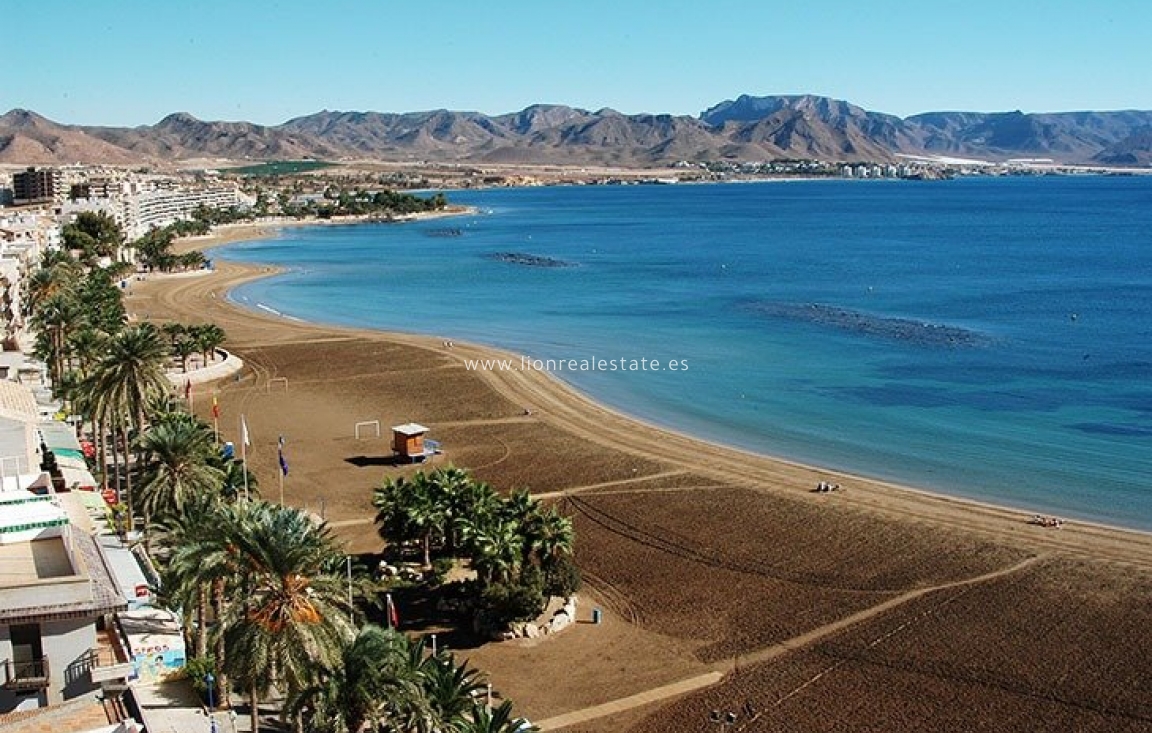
pixel 408 442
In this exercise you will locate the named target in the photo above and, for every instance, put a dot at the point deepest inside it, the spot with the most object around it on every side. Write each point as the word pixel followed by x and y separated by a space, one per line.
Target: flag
pixel 393 617
pixel 283 461
pixel 187 389
pixel 244 437
pixel 215 408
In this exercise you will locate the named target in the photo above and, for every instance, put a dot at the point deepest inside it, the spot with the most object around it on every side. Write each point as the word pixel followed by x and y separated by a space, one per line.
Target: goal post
pixel 367 424
pixel 278 380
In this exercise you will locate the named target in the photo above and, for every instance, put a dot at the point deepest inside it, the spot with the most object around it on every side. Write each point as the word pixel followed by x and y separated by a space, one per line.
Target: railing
pixel 106 664
pixel 28 675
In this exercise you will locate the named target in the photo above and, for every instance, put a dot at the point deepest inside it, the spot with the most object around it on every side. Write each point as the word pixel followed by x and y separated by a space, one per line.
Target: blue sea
pixel 989 338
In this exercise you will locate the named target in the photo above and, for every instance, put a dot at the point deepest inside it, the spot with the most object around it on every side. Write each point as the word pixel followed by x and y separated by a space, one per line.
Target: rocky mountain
pixel 746 128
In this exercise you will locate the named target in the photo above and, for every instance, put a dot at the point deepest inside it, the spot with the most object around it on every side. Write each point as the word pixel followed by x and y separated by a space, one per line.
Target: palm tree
pixel 496 548
pixel 410 509
pixel 449 692
pixel 371 685
pixel 58 273
pixel 484 719
pixel 179 449
pixel 548 536
pixel 233 481
pixel 54 317
pixel 293 616
pixel 187 582
pixel 208 338
pixel 455 489
pixel 129 376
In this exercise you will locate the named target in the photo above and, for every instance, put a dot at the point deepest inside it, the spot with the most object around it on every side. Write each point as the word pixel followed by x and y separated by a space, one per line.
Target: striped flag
pixel 393 617
pixel 283 461
pixel 215 408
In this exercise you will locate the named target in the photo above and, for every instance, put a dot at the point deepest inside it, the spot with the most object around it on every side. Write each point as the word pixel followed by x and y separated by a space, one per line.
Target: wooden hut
pixel 408 441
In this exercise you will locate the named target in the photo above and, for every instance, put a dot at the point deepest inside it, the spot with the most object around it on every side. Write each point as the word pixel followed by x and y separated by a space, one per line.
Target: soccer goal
pixel 367 424
pixel 278 380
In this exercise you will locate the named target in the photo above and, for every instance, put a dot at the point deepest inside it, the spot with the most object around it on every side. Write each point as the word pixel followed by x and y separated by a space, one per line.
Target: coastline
pixel 720 572
pixel 561 406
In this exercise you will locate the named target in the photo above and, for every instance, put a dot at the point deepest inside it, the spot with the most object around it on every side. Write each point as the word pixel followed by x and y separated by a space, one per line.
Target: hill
pixel 747 128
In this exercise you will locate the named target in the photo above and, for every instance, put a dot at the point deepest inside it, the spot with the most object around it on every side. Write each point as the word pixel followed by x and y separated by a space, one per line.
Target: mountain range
pixel 744 129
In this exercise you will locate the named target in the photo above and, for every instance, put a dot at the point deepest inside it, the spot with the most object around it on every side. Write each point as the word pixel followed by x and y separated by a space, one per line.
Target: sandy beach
pixel 727 582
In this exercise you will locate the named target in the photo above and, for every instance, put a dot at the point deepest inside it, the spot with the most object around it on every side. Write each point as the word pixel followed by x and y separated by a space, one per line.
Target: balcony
pixel 108 662
pixel 30 675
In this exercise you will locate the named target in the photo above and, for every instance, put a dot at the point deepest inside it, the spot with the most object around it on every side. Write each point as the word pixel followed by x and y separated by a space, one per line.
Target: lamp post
pixel 209 678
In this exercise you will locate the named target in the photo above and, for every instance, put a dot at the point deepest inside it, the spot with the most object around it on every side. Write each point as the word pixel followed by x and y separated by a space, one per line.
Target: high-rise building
pixel 35 186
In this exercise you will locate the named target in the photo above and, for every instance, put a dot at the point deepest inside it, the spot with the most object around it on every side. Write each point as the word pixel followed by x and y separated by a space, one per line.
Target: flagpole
pixel 244 453
pixel 282 469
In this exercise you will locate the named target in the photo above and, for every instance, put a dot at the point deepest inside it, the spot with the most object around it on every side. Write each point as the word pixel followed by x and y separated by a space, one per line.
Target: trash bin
pixel 596 615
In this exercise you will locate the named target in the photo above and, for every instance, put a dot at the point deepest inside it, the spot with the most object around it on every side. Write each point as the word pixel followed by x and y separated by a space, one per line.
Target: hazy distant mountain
pixel 746 128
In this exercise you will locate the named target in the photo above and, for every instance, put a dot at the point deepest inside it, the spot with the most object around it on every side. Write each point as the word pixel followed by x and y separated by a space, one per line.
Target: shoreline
pixel 563 407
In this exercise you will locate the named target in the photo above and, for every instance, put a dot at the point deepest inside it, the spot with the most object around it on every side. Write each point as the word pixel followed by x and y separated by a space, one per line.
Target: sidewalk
pixel 173 707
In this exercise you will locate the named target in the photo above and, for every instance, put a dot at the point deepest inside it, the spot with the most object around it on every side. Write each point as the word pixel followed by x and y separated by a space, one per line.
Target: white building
pixel 57 596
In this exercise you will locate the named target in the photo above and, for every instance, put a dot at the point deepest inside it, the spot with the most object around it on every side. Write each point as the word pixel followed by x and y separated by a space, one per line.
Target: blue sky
pixel 130 63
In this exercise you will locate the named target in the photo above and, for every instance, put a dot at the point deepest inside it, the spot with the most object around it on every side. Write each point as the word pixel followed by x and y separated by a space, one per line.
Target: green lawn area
pixel 279 168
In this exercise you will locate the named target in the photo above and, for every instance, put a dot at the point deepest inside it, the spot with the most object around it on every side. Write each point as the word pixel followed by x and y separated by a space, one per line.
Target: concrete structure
pixel 23 238
pixel 160 207
pixel 55 591
pixel 36 186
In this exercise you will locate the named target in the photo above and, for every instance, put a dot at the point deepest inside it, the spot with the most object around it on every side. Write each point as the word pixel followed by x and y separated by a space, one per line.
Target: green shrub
pixel 196 669
pixel 504 604
pixel 561 578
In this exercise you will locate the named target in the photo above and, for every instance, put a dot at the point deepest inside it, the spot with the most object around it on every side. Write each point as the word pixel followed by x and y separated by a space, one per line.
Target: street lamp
pixel 209 678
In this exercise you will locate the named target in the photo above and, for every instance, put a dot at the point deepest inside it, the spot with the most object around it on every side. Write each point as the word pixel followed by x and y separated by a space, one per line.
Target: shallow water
pixel 987 338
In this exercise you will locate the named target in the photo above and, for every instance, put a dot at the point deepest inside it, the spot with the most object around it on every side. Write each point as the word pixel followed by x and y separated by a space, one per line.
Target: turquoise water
pixel 987 338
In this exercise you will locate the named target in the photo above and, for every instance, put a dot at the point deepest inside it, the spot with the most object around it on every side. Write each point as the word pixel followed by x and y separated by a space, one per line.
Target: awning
pixel 58 436
pixel 77 478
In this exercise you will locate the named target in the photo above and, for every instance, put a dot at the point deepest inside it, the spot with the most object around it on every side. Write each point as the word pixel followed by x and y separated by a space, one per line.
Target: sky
pixel 100 62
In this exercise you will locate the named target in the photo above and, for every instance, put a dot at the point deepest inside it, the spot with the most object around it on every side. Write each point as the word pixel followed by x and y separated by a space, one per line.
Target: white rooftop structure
pixel 410 428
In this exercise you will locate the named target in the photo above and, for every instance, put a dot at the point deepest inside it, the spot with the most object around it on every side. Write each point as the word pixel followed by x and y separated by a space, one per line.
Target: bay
pixel 989 338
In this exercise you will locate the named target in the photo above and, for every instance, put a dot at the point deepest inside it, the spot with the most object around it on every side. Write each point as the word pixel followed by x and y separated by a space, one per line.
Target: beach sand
pixel 705 559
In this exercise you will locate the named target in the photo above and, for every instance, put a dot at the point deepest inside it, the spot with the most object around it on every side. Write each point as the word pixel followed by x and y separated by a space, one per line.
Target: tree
pixel 410 509
pixel 372 684
pixel 449 692
pixel 95 234
pixel 292 617
pixel 179 449
pixel 496 548
pixel 53 319
pixel 499 720
pixel 129 376
pixel 208 338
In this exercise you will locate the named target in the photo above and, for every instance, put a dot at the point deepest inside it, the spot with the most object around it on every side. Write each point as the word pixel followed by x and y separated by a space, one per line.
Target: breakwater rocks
pixel 527 260
pixel 906 330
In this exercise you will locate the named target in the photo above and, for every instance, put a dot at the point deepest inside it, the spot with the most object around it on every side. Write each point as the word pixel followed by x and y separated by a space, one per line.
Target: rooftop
pixel 24 562
pixel 410 428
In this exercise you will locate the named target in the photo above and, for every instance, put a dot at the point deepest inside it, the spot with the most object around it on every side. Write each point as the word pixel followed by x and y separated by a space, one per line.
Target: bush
pixel 441 566
pixel 195 670
pixel 561 578
pixel 504 604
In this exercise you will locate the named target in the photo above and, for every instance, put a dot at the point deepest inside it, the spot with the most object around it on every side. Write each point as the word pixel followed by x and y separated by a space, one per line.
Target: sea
pixel 987 338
